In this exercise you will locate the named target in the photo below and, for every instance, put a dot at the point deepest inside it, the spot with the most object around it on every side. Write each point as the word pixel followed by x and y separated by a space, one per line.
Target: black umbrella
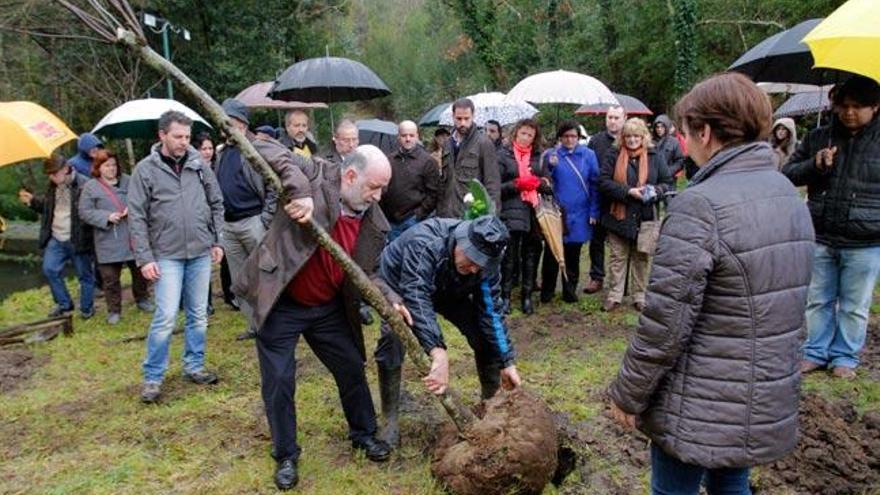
pixel 432 116
pixel 783 58
pixel 379 133
pixel 328 80
pixel 630 104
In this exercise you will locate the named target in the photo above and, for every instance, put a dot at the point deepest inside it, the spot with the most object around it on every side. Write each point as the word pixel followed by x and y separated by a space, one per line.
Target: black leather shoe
pixel 376 450
pixel 286 475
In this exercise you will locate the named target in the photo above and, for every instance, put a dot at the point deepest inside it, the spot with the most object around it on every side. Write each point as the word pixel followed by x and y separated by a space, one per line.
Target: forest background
pixel 427 52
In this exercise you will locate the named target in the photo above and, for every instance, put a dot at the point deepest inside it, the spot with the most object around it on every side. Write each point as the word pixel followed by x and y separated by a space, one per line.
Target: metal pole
pixel 166 49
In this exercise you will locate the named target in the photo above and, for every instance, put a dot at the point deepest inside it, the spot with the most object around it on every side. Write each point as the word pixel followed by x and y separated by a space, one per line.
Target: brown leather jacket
pixel 287 246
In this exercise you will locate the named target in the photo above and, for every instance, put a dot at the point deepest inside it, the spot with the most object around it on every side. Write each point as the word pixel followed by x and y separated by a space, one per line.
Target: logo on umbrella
pixel 45 130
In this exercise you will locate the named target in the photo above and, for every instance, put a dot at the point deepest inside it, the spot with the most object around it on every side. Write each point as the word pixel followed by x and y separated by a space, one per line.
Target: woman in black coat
pixel 633 178
pixel 521 181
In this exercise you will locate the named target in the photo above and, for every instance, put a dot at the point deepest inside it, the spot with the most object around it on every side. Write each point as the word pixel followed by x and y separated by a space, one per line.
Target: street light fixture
pixel 160 25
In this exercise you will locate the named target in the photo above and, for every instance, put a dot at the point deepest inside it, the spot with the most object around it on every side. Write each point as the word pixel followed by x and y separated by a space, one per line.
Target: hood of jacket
pixel 81 161
pixel 788 123
pixel 661 119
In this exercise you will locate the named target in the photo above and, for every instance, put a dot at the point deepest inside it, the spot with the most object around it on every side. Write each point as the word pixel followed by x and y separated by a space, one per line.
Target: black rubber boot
pixel 507 265
pixel 389 391
pixel 490 379
pixel 530 275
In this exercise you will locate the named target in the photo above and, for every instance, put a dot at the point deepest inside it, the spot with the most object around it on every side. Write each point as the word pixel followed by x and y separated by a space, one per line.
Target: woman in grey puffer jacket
pixel 712 375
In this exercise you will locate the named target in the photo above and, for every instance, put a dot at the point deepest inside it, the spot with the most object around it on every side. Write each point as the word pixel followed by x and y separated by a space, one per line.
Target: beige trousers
pixel 622 251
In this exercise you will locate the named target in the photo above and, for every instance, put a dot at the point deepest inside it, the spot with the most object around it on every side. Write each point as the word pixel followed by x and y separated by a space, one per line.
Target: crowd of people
pixel 726 274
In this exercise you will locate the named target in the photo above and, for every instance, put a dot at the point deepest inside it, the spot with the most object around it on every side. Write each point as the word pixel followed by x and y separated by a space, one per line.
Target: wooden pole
pixel 460 415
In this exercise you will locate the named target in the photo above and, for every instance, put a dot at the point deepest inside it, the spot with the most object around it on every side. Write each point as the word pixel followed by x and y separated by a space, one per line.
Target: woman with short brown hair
pixel 711 375
pixel 104 205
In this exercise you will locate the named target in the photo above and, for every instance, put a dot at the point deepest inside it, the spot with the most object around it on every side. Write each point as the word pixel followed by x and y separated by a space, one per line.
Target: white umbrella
pixel 562 86
pixel 772 88
pixel 493 106
pixel 140 118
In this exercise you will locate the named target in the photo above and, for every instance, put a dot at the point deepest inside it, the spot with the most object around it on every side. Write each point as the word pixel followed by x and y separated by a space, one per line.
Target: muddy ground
pixel 838 453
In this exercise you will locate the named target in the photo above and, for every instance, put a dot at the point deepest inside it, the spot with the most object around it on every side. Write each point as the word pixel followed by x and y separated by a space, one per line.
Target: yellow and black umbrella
pixel 849 39
pixel 29 131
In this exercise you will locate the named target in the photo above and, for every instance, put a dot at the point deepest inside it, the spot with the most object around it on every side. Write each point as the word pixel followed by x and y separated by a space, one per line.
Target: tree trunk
pixel 460 415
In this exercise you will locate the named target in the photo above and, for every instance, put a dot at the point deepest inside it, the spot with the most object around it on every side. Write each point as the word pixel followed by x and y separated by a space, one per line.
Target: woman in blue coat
pixel 575 173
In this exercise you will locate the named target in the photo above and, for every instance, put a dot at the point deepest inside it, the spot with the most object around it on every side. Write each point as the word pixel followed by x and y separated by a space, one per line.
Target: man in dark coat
pixel 296 136
pixel 467 155
pixel 64 236
pixel 297 289
pixel 412 192
pixel 667 145
pixel 345 141
pixel 602 144
pixel 840 165
pixel 447 267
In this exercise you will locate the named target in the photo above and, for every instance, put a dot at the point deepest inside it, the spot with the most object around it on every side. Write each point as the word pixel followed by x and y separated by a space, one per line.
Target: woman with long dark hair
pixel 521 181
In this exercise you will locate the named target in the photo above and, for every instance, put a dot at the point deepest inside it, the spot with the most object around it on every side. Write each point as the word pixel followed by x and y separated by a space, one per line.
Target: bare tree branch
pixel 741 22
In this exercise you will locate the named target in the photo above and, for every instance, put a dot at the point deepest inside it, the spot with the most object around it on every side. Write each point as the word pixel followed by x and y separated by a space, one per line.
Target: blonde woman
pixel 632 179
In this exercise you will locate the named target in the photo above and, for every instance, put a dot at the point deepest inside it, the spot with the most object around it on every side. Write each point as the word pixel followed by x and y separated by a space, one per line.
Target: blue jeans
pixel 55 256
pixel 190 278
pixel 399 228
pixel 669 476
pixel 838 303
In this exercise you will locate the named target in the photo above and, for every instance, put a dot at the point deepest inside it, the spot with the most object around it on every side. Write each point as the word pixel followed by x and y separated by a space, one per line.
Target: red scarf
pixel 523 157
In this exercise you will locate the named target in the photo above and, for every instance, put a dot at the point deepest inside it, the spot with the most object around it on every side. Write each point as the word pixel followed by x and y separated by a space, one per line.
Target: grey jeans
pixel 240 239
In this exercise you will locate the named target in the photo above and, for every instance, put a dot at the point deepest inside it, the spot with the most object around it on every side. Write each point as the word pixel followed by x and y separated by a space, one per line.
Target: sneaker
pixel 145 306
pixel 113 318
pixel 201 377
pixel 844 372
pixel 150 393
pixel 86 315
pixel 808 366
pixel 59 311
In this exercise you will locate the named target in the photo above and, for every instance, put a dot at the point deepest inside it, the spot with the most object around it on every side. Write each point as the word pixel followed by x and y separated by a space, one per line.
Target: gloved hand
pixel 529 183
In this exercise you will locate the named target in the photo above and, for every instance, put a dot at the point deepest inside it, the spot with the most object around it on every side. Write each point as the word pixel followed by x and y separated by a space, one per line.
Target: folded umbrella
pixel 29 131
pixel 549 217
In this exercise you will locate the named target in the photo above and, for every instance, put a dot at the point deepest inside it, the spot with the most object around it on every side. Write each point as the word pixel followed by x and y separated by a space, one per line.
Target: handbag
pixel 649 233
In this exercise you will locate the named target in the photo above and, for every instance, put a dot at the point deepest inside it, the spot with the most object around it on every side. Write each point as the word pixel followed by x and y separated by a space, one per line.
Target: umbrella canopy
pixel 632 106
pixel 791 88
pixel 493 106
pixel 380 133
pixel 140 119
pixel 254 96
pixel 803 104
pixel 782 58
pixel 848 39
pixel 432 116
pixel 561 86
pixel 328 80
pixel 29 131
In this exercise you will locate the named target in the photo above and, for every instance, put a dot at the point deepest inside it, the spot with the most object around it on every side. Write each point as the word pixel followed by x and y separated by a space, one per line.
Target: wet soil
pixel 511 449
pixel 17 364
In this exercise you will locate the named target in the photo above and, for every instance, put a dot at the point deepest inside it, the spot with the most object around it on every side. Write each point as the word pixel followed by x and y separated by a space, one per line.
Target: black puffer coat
pixel 636 211
pixel 845 201
pixel 713 370
pixel 516 214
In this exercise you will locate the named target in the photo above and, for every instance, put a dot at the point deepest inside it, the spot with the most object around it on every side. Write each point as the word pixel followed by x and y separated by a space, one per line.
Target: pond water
pixel 16 276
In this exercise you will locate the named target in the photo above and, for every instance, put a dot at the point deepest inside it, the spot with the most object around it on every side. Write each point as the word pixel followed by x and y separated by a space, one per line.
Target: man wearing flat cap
pixel 248 202
pixel 451 268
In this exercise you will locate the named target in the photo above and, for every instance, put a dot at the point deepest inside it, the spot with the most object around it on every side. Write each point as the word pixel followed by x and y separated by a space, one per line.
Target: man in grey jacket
pixel 248 202
pixel 175 214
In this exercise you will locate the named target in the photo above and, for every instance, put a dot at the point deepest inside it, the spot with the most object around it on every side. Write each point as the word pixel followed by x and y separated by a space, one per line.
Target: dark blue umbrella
pixel 432 116
pixel 328 80
pixel 380 133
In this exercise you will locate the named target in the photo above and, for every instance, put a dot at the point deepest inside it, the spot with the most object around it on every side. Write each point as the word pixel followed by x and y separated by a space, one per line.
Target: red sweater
pixel 320 279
